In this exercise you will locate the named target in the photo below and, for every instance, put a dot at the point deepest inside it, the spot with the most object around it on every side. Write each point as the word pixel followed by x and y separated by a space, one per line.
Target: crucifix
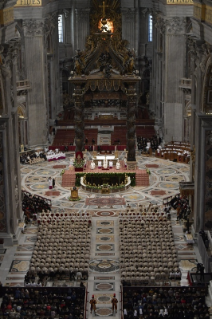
pixel 103 8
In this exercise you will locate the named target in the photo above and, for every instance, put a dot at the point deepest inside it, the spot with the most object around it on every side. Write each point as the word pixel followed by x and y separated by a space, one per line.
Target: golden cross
pixel 103 7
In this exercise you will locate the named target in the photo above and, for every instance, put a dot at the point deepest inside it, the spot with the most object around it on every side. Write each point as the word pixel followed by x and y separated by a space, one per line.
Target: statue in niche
pixel 129 61
pixel 105 64
pixel 79 64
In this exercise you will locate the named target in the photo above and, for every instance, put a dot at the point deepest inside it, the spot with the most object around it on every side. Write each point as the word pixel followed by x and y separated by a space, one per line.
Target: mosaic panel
pixel 105 201
pixel 105 254
pixel 104 265
pixel 104 312
pixel 106 238
pixel 105 230
pixel 104 298
pixel 104 286
pixel 20 266
pixel 105 223
pixel 105 247
pixel 104 277
pixel 105 213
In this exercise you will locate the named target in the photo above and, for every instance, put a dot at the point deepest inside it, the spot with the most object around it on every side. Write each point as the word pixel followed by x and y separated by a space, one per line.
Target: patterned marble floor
pixel 104 274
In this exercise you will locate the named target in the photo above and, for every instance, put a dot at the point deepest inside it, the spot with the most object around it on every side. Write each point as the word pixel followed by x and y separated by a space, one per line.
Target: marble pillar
pixel 174 68
pixel 82 27
pixel 36 69
pixel 10 181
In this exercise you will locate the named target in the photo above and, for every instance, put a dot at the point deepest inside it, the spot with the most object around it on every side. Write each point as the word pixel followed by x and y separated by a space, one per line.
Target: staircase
pixel 68 179
pixel 142 178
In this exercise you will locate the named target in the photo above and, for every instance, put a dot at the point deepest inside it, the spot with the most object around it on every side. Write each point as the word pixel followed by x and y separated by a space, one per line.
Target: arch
pixel 206 106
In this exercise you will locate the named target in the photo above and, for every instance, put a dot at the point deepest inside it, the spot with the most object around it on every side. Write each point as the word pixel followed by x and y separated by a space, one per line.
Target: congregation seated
pixel 181 204
pixel 178 151
pixel 33 158
pixel 62 247
pixel 147 249
pixel 40 302
pixel 145 144
pixel 33 204
pixel 53 156
pixel 165 302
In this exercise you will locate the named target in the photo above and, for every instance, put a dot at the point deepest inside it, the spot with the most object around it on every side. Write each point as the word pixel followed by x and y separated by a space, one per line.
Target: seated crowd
pixel 144 143
pixel 177 151
pixel 62 247
pixel 33 204
pixel 147 248
pixel 37 303
pixel 164 302
pixel 33 158
pixel 181 204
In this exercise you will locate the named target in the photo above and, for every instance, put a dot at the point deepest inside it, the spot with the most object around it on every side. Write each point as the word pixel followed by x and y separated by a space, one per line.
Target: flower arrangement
pixel 62 172
pixel 148 171
pixel 79 163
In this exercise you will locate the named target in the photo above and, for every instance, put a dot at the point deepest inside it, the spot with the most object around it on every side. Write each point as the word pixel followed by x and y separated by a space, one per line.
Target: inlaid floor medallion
pixel 104 312
pixel 104 286
pixel 104 265
pixel 105 230
pixel 108 247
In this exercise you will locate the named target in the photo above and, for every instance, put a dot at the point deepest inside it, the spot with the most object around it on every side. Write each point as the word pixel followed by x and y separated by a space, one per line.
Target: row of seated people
pixel 32 158
pixel 164 302
pixel 181 204
pixel 61 246
pixel 145 144
pixel 41 279
pixel 175 151
pixel 54 155
pixel 33 204
pixel 38 302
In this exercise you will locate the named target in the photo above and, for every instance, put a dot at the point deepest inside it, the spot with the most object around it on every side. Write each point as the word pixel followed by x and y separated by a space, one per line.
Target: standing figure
pixel 114 302
pixel 53 182
pixel 93 304
pixel 50 183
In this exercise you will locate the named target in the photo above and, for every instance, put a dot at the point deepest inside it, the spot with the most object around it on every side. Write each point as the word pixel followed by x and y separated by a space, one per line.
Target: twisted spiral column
pixel 131 107
pixel 79 118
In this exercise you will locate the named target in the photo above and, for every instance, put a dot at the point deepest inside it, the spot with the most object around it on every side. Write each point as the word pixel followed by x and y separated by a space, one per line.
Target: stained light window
pixel 150 28
pixel 60 27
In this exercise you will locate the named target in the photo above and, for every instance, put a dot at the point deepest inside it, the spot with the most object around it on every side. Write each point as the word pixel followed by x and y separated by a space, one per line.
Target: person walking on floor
pixel 114 302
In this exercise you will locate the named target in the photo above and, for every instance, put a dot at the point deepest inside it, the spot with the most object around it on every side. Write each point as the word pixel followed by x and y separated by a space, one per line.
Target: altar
pixel 102 158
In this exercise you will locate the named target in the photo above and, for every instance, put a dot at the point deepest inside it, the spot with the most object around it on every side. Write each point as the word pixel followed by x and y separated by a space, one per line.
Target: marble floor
pixel 104 272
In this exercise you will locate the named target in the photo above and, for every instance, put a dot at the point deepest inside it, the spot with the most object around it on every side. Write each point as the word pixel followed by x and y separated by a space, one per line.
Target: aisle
pixel 104 275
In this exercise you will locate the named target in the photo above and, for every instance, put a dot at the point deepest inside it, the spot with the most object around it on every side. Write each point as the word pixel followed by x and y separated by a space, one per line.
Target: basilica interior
pixel 105 159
